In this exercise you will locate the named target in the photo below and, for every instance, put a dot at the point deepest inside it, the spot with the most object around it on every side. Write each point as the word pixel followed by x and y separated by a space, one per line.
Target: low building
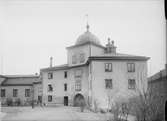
pixel 94 73
pixel 158 84
pixel 20 89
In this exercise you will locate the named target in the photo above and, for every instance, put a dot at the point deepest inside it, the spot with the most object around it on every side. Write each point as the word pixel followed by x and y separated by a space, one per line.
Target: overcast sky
pixel 32 31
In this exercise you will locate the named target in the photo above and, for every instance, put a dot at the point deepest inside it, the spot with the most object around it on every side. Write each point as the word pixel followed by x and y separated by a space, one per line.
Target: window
pixel 131 67
pixel 108 67
pixel 50 88
pixel 50 75
pixel 78 73
pixel 49 98
pixel 3 93
pixel 78 85
pixel 108 83
pixel 131 84
pixel 65 74
pixel 82 57
pixel 15 92
pixel 74 59
pixel 27 92
pixel 65 87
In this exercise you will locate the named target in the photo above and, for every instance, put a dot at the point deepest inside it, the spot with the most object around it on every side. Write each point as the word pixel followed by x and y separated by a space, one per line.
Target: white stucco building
pixel 20 89
pixel 94 73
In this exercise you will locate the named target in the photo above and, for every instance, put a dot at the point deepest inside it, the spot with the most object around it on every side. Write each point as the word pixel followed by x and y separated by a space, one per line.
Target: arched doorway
pixel 78 100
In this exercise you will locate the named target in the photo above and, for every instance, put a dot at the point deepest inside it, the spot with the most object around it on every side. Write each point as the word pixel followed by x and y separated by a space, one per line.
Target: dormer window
pixel 82 57
pixel 74 59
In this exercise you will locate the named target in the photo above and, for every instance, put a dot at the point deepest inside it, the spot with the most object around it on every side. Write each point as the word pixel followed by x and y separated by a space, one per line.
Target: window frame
pixel 82 57
pixel 130 67
pixel 78 85
pixel 50 98
pixel 15 92
pixel 65 74
pixel 65 86
pixel 50 75
pixel 107 67
pixel 76 73
pixel 4 93
pixel 27 93
pixel 131 85
pixel 50 88
pixel 108 84
pixel 74 59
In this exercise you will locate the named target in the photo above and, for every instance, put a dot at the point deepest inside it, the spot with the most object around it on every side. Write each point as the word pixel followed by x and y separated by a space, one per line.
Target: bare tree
pixel 147 105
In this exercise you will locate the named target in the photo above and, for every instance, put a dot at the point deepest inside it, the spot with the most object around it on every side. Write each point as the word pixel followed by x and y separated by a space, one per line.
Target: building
pixel 93 73
pixel 20 89
pixel 158 84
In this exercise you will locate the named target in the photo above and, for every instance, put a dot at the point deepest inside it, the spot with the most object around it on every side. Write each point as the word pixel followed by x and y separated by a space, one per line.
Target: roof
pixel 20 80
pixel 117 56
pixel 160 74
pixel 86 43
pixel 62 67
pixel 87 37
pixel 21 76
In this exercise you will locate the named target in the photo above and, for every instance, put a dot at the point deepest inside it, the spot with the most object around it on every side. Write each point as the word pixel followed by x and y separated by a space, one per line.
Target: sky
pixel 33 31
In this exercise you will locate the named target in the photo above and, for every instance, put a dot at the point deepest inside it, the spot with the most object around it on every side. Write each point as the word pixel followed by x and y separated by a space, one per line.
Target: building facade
pixel 158 84
pixel 93 73
pixel 20 89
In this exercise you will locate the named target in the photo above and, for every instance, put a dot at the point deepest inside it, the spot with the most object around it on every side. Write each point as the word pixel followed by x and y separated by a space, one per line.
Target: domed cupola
pixel 87 37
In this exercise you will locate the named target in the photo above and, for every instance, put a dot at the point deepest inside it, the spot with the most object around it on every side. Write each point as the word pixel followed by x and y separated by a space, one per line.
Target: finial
pixel 108 40
pixel 87 25
pixel 112 42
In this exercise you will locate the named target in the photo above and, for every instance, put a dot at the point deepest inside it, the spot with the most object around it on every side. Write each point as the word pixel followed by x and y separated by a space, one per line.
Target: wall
pixel 84 49
pixel 77 51
pixel 21 93
pixel 120 77
pixel 37 91
pixel 58 85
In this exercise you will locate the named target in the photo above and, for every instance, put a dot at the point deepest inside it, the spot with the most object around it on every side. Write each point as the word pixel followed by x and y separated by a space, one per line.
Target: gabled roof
pixel 20 80
pixel 158 75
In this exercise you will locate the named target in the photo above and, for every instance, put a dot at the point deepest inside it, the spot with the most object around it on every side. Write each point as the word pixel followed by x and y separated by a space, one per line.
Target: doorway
pixel 78 100
pixel 65 100
pixel 39 99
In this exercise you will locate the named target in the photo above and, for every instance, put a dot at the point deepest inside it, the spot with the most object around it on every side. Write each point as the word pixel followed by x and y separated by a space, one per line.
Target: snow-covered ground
pixel 51 114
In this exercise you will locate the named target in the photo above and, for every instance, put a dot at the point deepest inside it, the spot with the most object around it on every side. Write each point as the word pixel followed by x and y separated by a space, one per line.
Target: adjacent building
pixel 93 73
pixel 20 89
pixel 158 84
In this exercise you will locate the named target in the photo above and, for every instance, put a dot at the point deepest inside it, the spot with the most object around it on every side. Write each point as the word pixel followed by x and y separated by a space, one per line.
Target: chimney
pixel 51 59
pixel 110 48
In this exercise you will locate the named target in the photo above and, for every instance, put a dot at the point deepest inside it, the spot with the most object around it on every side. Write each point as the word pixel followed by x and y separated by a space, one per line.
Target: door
pixel 39 99
pixel 65 100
